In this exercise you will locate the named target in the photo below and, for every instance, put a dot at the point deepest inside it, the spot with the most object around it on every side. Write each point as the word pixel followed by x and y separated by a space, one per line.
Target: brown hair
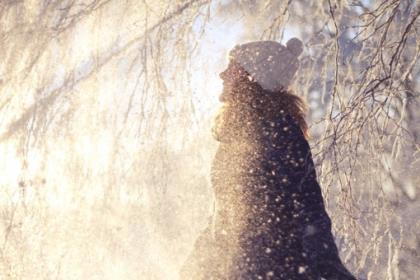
pixel 248 102
pixel 293 105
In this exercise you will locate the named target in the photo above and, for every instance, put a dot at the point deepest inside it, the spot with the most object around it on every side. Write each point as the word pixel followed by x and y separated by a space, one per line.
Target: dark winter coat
pixel 270 220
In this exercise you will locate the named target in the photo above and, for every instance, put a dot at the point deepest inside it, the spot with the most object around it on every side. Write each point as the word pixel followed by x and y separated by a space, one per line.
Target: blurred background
pixel 106 110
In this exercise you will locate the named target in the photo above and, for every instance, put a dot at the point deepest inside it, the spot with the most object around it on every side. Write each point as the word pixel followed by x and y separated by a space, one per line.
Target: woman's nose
pixel 222 75
pixel 225 74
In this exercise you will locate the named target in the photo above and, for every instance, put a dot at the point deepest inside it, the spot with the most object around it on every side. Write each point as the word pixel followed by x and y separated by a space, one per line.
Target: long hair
pixel 294 106
pixel 252 103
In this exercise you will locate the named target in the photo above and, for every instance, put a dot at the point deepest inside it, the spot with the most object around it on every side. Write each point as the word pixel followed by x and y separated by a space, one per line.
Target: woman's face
pixel 231 77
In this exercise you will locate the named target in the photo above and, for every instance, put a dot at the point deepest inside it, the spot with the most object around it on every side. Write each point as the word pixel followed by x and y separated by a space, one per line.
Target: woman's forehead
pixel 234 64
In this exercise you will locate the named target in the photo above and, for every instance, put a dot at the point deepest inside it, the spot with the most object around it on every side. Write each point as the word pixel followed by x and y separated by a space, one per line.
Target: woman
pixel 270 220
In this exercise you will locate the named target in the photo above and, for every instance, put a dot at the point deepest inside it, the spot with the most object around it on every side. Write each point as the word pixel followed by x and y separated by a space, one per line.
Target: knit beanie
pixel 269 63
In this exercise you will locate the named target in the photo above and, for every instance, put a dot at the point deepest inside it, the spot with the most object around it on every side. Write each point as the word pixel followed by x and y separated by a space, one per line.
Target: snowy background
pixel 106 109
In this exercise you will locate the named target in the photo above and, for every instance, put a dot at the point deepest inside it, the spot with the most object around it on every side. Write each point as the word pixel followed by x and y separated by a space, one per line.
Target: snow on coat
pixel 270 220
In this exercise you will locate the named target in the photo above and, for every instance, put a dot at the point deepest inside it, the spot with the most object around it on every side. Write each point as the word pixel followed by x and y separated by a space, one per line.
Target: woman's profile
pixel 270 220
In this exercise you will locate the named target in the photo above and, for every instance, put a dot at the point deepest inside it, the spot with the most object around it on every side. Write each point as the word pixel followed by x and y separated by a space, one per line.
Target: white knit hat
pixel 269 63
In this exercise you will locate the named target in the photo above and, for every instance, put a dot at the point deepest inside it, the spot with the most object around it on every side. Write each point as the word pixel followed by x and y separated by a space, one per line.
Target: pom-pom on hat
pixel 269 63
